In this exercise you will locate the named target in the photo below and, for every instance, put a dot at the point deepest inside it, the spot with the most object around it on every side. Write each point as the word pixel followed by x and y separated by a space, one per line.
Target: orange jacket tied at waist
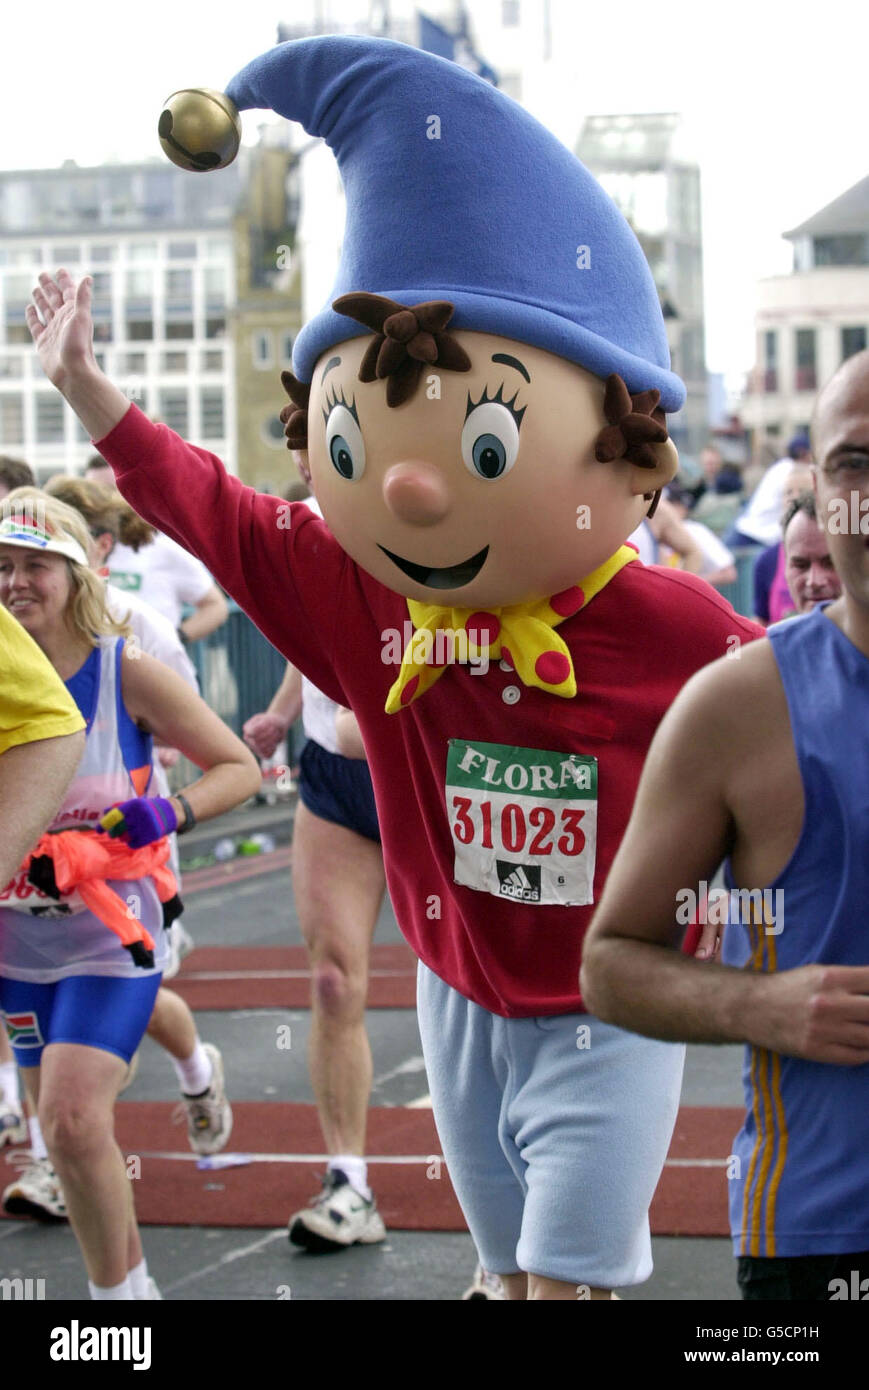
pixel 85 860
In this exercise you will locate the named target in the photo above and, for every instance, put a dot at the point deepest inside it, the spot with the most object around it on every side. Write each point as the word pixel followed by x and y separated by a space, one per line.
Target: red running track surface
pixel 691 1199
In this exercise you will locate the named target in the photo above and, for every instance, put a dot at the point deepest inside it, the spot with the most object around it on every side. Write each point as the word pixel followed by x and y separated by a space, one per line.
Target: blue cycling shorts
pixel 94 1010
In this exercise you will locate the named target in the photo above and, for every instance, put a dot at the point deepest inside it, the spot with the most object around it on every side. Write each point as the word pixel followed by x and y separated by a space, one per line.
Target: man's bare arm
pixel 33 781
pixel 633 973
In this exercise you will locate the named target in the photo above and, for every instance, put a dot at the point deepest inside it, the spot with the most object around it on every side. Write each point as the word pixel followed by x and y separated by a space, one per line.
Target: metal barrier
pixel 741 594
pixel 238 671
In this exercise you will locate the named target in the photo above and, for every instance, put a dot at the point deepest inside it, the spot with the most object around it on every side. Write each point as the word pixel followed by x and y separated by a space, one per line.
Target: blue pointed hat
pixel 483 207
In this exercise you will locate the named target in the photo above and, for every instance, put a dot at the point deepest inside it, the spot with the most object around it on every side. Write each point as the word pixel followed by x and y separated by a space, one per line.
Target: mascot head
pixel 482 400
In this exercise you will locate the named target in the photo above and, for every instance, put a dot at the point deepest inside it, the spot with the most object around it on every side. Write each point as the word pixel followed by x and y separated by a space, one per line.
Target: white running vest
pixel 44 940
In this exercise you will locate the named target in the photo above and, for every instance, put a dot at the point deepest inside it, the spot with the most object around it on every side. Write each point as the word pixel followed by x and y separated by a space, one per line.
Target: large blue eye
pixel 345 444
pixel 490 441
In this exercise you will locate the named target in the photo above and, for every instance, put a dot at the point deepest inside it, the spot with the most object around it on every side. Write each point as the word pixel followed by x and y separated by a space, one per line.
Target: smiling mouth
pixel 453 577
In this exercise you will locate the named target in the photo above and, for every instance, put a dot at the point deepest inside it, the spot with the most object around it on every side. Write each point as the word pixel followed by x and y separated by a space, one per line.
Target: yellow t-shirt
pixel 34 702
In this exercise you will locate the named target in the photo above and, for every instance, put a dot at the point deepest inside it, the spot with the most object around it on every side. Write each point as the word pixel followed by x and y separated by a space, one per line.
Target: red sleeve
pixel 278 560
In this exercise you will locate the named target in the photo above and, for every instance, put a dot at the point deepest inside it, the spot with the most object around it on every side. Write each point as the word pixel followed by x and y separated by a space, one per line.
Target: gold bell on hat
pixel 200 129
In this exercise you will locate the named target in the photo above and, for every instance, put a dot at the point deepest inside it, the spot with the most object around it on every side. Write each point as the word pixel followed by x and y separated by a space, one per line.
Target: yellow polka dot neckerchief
pixel 522 634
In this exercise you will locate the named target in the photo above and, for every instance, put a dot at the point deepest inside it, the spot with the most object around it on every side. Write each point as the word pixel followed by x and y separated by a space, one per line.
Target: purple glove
pixel 141 821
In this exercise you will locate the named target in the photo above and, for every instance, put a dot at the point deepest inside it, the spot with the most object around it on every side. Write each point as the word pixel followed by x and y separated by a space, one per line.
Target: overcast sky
pixel 776 94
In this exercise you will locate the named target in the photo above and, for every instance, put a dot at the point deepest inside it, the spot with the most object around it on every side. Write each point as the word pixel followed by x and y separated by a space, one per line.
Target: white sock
pixel 114 1294
pixel 195 1072
pixel 357 1172
pixel 138 1278
pixel 37 1143
pixel 8 1081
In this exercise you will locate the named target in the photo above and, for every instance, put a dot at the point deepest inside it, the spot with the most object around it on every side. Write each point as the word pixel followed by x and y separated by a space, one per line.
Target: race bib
pixel 124 579
pixel 22 896
pixel 523 821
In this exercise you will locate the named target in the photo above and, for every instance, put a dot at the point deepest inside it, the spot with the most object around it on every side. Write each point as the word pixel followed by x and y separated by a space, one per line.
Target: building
pixel 158 243
pixel 810 321
pixel 266 315
pixel 644 164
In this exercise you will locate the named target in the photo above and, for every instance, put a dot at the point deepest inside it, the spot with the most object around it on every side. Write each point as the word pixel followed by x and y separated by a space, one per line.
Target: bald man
pixel 762 762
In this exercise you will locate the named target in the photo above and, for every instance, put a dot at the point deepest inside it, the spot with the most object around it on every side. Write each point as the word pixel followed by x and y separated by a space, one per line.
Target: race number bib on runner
pixel 523 821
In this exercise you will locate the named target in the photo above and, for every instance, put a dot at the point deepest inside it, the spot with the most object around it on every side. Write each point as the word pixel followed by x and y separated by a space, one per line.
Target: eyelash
pixel 337 398
pixel 498 398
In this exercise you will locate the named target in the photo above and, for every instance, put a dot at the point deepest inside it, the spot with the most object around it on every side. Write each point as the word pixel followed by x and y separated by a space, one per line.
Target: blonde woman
pixel 81 998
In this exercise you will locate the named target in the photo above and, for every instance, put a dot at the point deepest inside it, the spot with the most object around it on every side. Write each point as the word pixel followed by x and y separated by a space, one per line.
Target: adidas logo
pixel 519 881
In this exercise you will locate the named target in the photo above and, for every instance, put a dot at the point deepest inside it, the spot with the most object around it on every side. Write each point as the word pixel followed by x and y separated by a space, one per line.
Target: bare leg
pixel 540 1287
pixel 338 884
pixel 75 1089
pixel 172 1025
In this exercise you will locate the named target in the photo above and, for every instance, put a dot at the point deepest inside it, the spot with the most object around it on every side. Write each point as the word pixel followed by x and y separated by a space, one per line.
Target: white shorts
pixel 554 1130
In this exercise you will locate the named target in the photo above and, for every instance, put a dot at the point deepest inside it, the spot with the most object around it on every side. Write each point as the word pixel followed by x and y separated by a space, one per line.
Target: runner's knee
pixel 339 992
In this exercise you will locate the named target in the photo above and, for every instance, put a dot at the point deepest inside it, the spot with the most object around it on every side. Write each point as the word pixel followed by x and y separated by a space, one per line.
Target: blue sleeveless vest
pixel 801 1182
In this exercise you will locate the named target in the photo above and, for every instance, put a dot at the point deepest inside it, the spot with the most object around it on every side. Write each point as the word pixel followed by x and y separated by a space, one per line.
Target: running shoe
pixel 181 943
pixel 337 1217
pixel 209 1116
pixel 13 1126
pixel 36 1192
pixel 485 1285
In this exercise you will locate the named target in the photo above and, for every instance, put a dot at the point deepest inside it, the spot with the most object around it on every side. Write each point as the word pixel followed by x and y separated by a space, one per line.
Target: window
pixel 49 418
pixel 142 251
pixel 132 362
pixel 18 333
pixel 212 361
pixel 211 408
pixel 215 286
pixel 139 284
pixel 97 254
pixel 66 255
pixel 11 366
pixel 215 327
pixel 172 408
pixel 140 330
pixel 102 329
pixel 181 250
pixel 805 348
pixel 22 255
pixel 179 285
pixel 174 362
pixel 11 418
pixel 770 360
pixel 261 342
pixel 218 248
pixel 18 288
pixel 853 340
pixel 179 328
pixel 102 286
pixel 287 347
pixel 273 431
pixel 850 249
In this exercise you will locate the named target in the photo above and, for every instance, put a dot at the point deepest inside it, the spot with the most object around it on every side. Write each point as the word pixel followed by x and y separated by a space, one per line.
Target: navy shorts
pixel 338 789
pixel 94 1010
